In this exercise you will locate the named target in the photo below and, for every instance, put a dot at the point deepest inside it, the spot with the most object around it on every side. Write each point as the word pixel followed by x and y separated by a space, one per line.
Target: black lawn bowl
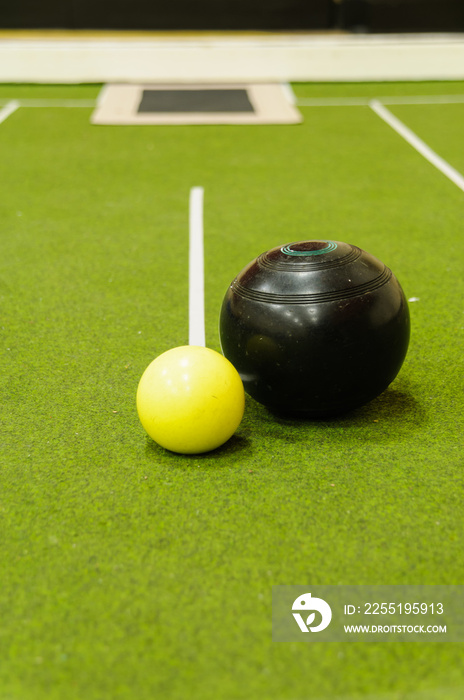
pixel 315 328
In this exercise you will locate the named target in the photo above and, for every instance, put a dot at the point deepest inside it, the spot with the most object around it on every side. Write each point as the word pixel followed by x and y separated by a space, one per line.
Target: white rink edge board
pixel 267 58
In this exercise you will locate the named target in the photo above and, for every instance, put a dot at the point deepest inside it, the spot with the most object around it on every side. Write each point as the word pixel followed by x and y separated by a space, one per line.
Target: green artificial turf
pixel 131 572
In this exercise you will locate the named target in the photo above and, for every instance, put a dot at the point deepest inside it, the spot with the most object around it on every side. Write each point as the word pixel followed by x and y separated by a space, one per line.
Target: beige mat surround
pixel 119 104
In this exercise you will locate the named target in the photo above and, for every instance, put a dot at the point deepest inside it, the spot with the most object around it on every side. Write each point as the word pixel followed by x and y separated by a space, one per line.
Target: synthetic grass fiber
pixel 131 572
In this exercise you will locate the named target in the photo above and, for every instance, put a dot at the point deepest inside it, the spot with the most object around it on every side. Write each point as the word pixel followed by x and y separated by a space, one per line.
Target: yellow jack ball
pixel 190 400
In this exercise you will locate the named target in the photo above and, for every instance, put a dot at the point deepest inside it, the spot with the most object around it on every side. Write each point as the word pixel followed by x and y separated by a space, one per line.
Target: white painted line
pixel 37 102
pixel 8 109
pixel 68 104
pixel 332 101
pixel 196 269
pixel 287 89
pixel 417 143
pixel 422 99
pixel 387 100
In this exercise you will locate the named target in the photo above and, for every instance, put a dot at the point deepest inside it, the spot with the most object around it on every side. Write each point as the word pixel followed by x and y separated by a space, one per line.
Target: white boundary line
pixel 8 109
pixel 390 100
pixel 422 100
pixel 196 269
pixel 38 102
pixel 417 143
pixel 355 101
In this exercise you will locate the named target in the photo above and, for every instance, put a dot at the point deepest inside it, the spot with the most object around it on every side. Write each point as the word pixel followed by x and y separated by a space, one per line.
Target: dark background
pixel 297 15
